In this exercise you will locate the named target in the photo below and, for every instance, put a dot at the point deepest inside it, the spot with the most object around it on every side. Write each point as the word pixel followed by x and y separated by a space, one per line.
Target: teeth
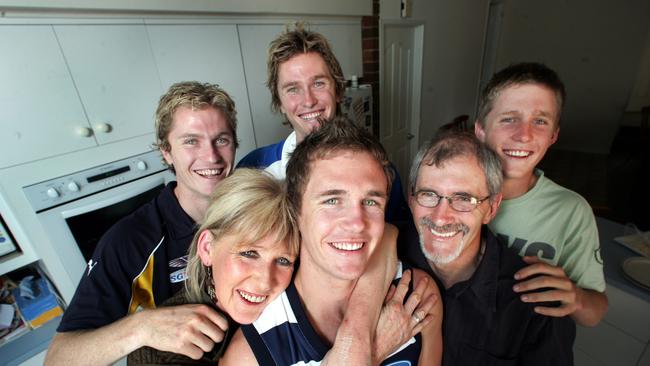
pixel 347 246
pixel 209 172
pixel 252 298
pixel 517 153
pixel 310 116
pixel 443 235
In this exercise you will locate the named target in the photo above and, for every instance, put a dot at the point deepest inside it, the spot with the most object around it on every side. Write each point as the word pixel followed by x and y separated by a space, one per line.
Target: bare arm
pixel 355 337
pixel 188 329
pixel 586 307
pixel 239 352
pixel 431 354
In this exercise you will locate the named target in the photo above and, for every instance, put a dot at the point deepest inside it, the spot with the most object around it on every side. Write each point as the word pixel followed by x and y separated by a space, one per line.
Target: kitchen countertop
pixel 613 255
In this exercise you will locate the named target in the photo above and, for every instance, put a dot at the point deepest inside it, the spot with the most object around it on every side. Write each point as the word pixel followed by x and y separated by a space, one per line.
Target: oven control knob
pixel 141 165
pixel 73 187
pixel 52 192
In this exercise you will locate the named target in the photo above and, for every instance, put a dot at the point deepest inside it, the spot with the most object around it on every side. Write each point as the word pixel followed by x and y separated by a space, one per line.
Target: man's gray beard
pixel 439 258
pixel 425 224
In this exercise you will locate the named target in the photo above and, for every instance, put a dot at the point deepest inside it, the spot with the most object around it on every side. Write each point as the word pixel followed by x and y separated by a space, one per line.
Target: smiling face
pixel 446 234
pixel 202 150
pixel 521 126
pixel 342 214
pixel 307 92
pixel 247 277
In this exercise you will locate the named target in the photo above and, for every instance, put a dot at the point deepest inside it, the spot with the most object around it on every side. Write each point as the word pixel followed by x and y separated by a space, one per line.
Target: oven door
pixel 77 226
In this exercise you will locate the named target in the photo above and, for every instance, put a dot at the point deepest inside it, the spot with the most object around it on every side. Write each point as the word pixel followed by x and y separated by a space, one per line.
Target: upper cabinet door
pixel 255 39
pixel 115 73
pixel 40 113
pixel 206 53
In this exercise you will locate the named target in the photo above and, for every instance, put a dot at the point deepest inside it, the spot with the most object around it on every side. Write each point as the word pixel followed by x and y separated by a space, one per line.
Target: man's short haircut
pixel 520 74
pixel 251 205
pixel 196 96
pixel 447 145
pixel 294 42
pixel 335 136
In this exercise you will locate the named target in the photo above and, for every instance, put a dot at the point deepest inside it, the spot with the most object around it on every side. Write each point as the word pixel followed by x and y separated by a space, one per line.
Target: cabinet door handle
pixel 84 132
pixel 104 127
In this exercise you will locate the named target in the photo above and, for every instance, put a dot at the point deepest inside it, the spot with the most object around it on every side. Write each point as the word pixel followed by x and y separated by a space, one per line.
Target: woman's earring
pixel 210 285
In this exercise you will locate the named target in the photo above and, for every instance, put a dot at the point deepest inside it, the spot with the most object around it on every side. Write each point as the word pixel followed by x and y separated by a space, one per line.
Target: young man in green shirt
pixel 553 228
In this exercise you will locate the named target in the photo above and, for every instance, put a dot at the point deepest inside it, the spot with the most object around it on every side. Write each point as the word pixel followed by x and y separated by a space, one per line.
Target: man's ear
pixel 494 203
pixel 167 156
pixel 204 247
pixel 478 131
pixel 556 135
pixel 411 200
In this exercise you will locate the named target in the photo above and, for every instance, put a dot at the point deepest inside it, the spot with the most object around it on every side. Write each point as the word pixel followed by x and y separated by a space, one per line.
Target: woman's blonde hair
pixel 251 205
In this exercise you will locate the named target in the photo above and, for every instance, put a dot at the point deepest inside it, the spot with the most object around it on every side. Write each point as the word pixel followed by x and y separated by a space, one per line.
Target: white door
pixel 401 71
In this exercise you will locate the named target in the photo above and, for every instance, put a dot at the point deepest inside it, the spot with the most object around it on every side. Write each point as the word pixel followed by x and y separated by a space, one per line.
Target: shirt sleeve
pixel 104 291
pixel 581 254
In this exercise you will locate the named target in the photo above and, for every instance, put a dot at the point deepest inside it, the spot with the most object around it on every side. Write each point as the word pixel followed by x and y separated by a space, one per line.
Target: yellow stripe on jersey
pixel 142 286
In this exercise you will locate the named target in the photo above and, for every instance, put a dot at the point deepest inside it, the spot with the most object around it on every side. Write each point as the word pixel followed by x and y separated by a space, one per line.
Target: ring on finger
pixel 416 317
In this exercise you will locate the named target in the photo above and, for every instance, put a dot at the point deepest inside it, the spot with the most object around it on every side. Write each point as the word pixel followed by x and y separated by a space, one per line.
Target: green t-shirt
pixel 557 225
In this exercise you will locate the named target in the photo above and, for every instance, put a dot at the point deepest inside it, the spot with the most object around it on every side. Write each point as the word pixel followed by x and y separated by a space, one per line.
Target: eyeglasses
pixel 459 202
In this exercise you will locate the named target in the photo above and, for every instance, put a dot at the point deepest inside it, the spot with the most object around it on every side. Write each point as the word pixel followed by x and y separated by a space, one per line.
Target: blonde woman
pixel 239 261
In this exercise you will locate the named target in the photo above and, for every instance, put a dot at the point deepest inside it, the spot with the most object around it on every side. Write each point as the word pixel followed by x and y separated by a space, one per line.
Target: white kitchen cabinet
pixel 41 114
pixel 116 76
pixel 205 53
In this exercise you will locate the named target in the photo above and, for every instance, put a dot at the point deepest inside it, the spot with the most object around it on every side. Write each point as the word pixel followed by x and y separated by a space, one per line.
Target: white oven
pixel 76 209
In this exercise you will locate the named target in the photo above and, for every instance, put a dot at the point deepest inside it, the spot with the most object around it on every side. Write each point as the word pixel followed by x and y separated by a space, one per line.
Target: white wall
pixel 329 7
pixel 453 45
pixel 595 46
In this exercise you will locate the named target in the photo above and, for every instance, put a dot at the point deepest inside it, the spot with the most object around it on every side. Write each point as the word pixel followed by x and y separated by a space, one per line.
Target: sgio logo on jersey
pixel 178 276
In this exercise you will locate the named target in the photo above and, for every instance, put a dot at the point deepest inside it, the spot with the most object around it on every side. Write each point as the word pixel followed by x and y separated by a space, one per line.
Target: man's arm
pixel 238 352
pixel 586 307
pixel 355 337
pixel 431 354
pixel 188 329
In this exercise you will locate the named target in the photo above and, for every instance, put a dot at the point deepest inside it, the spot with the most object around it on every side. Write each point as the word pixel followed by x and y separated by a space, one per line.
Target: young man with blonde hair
pixel 140 261
pixel 306 84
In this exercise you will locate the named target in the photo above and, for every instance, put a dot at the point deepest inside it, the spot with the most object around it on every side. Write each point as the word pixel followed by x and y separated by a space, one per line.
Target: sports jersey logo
pixel 180 262
pixel 599 259
pixel 91 265
pixel 178 276
pixel 400 363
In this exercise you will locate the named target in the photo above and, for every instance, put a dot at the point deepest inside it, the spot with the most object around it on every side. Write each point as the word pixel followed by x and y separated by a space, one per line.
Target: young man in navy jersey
pixel 140 262
pixel 338 179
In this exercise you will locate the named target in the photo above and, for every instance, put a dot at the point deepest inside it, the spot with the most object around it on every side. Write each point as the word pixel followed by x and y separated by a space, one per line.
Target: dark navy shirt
pixel 139 263
pixel 485 322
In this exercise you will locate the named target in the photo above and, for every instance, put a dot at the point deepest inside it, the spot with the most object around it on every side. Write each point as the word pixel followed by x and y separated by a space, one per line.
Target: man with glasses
pixel 454 191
